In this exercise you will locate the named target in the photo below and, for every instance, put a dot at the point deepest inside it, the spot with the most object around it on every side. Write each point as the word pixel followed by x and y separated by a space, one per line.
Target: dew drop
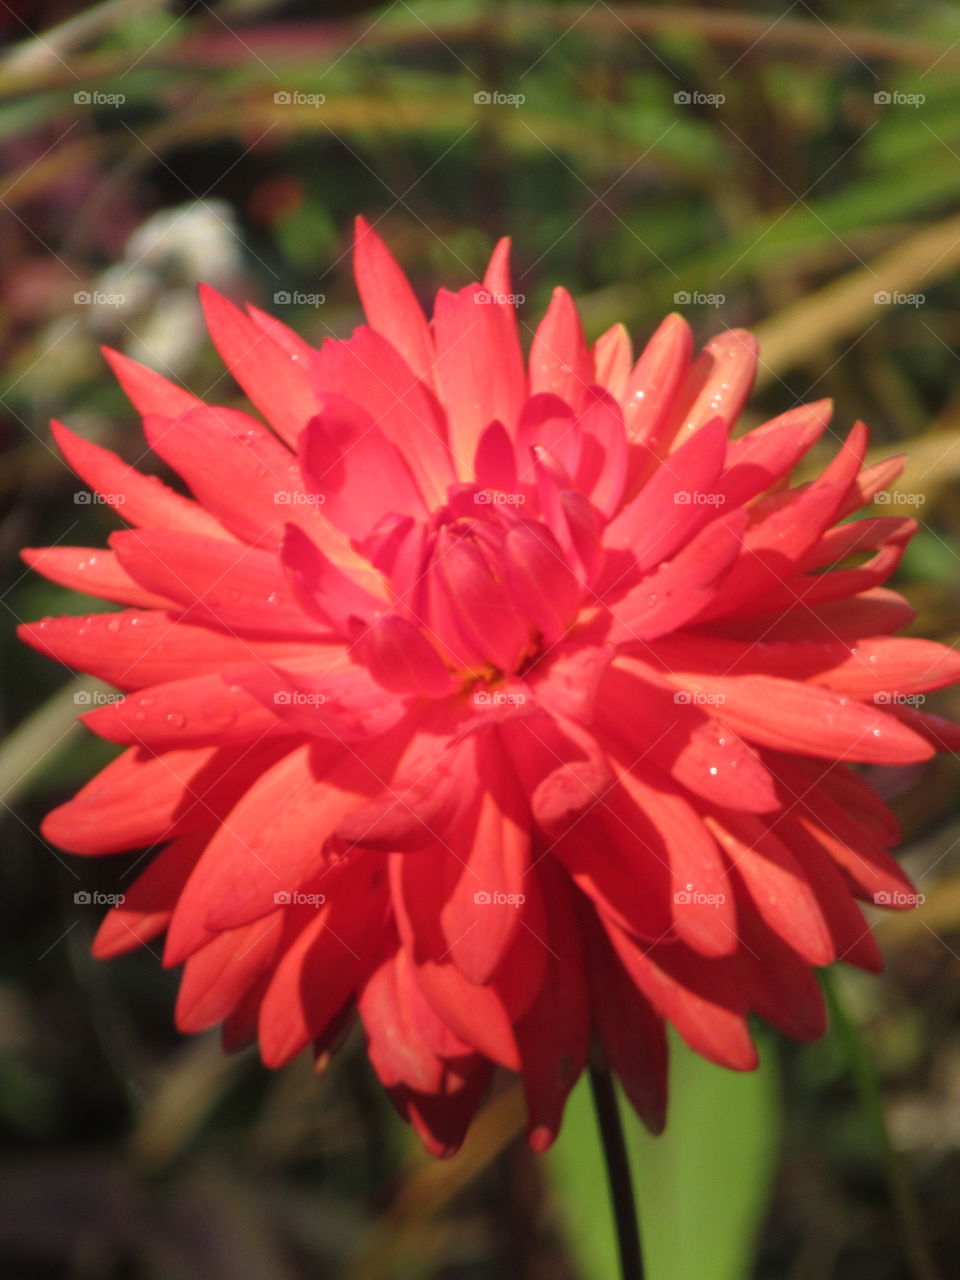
pixel 176 719
pixel 713 771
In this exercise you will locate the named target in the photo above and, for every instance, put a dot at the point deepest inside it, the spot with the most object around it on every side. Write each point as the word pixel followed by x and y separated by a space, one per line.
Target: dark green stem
pixel 618 1174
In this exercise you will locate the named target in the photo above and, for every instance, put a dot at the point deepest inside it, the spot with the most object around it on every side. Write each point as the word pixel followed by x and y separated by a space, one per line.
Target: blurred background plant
pixel 791 168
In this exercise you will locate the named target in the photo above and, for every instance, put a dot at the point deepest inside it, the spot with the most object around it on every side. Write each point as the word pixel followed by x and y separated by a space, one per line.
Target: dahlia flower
pixel 506 705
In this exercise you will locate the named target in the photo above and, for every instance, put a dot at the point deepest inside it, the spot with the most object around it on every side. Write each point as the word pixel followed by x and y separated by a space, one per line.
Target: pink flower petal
pixel 340 450
pixel 479 369
pixel 368 370
pixel 560 361
pixel 239 589
pixel 140 499
pixel 93 572
pixel 390 304
pixel 274 382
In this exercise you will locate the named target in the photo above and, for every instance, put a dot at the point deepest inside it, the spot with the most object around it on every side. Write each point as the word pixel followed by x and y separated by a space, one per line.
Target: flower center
pixel 467 600
pixel 485 585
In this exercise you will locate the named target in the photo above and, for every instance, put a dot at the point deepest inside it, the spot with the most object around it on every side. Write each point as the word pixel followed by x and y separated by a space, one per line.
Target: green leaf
pixel 579 1181
pixel 701 1187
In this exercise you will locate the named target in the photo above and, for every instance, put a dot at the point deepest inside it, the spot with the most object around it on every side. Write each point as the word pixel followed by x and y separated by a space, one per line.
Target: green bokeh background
pixel 786 167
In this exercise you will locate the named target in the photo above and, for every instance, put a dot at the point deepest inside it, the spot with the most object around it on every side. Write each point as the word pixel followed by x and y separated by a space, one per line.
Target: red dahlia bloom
pixel 506 706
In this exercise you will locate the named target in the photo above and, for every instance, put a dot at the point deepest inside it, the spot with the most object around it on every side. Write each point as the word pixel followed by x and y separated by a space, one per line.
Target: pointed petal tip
pixel 217 306
pixel 744 1058
pixel 27 632
pixel 737 337
pixel 654 1121
pixel 55 828
pixel 674 322
pixel 541 1138
pixel 276 1054
pixel 435 1147
pixel 60 432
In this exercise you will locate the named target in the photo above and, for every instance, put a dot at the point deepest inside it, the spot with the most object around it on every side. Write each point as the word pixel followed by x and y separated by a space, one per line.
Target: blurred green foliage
pixel 146 146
